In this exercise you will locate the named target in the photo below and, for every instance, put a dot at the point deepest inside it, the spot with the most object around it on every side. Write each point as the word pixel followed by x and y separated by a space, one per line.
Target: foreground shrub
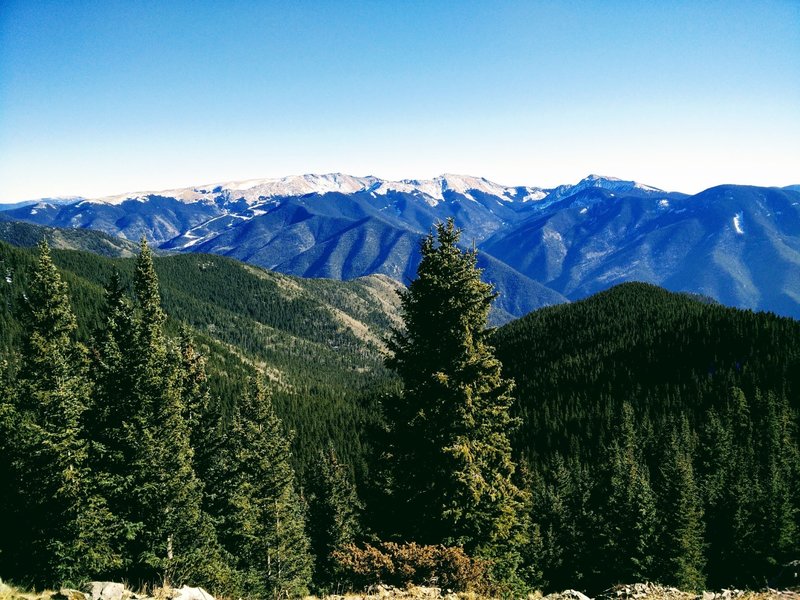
pixel 405 564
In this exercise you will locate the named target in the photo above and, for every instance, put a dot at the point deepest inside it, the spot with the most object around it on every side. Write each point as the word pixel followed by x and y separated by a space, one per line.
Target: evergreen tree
pixel 262 516
pixel 739 499
pixel 776 538
pixel 533 552
pixel 682 552
pixel 64 523
pixel 194 388
pixel 176 540
pixel 334 510
pixel 715 454
pixel 203 418
pixel 453 468
pixel 11 469
pixel 630 512
pixel 563 514
pixel 109 415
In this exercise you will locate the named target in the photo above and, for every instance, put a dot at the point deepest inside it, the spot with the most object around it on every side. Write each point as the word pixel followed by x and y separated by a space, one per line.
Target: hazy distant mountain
pixel 737 244
pixel 54 201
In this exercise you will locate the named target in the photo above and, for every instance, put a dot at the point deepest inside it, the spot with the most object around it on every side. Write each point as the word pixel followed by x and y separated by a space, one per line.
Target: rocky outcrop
pixel 567 595
pixel 110 590
pixel 191 593
pixel 652 591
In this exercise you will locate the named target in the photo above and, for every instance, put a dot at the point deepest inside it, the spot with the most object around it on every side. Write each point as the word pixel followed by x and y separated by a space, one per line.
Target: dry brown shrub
pixel 411 564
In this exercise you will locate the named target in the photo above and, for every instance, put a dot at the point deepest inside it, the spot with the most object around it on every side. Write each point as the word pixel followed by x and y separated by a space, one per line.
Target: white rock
pixel 107 590
pixel 191 593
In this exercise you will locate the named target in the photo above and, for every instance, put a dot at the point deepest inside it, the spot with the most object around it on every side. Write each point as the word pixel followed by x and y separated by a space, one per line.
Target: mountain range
pixel 739 245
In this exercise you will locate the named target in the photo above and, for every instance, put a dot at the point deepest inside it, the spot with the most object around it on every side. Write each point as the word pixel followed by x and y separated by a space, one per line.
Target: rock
pixel 107 590
pixel 191 593
pixel 567 595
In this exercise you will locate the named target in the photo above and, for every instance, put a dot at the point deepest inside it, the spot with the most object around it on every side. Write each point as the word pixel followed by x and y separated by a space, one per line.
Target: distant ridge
pixel 737 244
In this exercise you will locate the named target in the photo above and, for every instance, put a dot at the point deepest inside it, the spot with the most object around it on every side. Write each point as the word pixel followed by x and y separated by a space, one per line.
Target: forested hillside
pixel 318 341
pixel 27 235
pixel 661 431
pixel 651 435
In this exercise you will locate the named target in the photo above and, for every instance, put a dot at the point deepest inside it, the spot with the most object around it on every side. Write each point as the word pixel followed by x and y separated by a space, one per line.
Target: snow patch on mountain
pixel 737 223
pixel 533 194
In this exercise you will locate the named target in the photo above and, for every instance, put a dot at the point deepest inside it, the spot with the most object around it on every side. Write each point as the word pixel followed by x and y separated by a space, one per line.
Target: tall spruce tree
pixel 176 540
pixel 562 511
pixel 262 520
pixel 65 524
pixel 333 517
pixel 681 553
pixel 630 507
pixel 204 420
pixel 733 529
pixel 113 439
pixel 777 536
pixel 452 461
pixel 9 493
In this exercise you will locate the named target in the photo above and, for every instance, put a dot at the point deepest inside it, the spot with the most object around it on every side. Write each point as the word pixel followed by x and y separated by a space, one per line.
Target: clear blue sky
pixel 103 97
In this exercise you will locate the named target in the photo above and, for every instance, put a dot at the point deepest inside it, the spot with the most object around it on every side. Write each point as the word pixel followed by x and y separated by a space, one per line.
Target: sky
pixel 103 97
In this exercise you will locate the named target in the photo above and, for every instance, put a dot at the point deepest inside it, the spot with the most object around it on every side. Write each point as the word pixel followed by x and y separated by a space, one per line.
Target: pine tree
pixel 740 498
pixel 11 467
pixel 777 534
pixel 682 552
pixel 334 510
pixel 194 388
pixel 65 523
pixel 561 510
pixel 732 492
pixel 262 516
pixel 715 455
pixel 453 468
pixel 630 512
pixel 109 415
pixel 203 418
pixel 175 538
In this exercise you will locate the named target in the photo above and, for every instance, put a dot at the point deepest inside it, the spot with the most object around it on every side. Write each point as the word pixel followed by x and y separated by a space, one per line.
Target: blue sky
pixel 103 97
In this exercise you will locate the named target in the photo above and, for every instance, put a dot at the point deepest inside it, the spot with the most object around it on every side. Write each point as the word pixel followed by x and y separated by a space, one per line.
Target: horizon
pixel 256 180
pixel 101 100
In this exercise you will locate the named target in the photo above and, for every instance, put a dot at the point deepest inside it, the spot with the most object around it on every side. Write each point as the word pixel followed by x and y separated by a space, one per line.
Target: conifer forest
pixel 190 419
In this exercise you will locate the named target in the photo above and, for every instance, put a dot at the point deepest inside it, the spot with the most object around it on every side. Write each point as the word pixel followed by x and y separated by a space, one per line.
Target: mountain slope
pixel 612 388
pixel 737 244
pixel 666 353
pixel 26 235
pixel 319 341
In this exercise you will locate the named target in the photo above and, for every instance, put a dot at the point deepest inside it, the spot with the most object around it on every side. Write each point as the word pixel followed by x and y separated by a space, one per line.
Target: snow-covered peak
pixel 612 184
pixel 464 185
pixel 256 190
pixel 435 188
pixel 432 191
pixel 300 185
